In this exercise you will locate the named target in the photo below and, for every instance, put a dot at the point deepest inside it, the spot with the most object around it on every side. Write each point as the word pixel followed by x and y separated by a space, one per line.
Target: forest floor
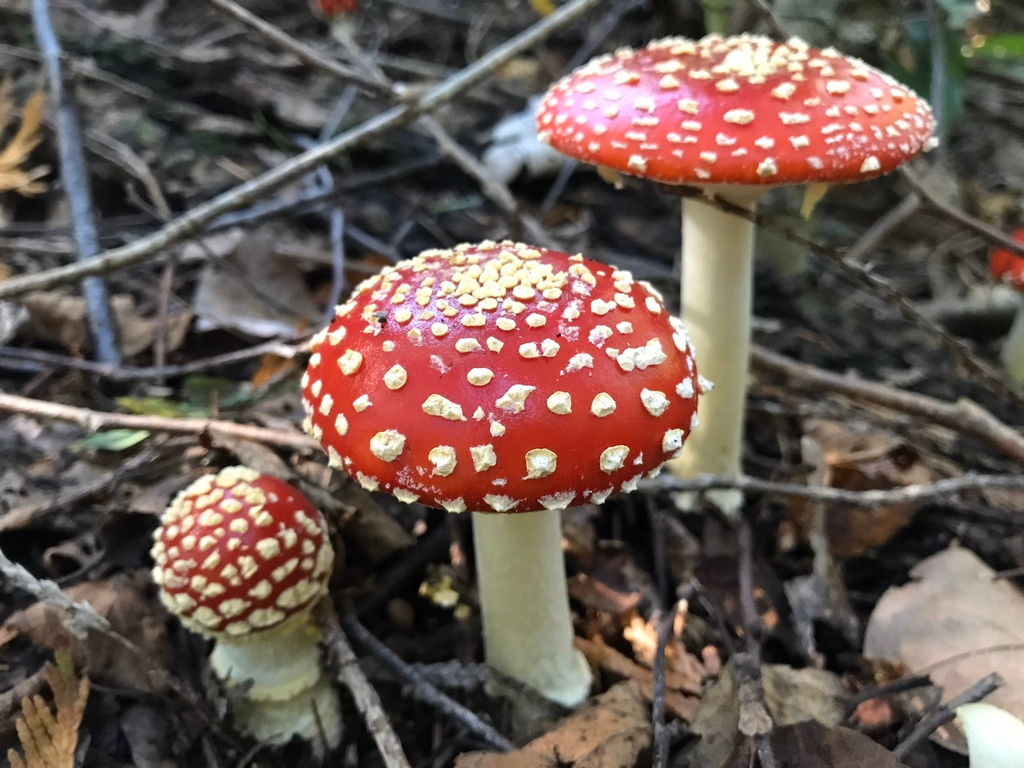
pixel 875 371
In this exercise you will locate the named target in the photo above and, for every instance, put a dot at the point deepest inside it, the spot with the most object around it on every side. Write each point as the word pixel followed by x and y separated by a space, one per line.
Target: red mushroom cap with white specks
pixel 501 378
pixel 736 110
pixel 1006 266
pixel 331 8
pixel 239 552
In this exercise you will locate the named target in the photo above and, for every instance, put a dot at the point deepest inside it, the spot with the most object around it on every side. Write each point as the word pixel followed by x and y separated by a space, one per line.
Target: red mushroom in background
pixel 340 15
pixel 243 558
pixel 1007 267
pixel 505 379
pixel 733 116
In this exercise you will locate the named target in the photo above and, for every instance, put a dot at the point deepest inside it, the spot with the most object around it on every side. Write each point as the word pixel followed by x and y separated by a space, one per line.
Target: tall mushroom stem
pixel 717 289
pixel 289 694
pixel 1013 349
pixel 528 630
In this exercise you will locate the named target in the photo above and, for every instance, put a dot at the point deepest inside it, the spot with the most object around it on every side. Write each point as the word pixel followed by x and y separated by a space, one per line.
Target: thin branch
pixel 122 373
pixel 946 713
pixel 76 187
pixel 985 372
pixel 82 618
pixel 98 420
pixel 363 694
pixel 194 221
pixel 865 499
pixel 963 416
pixel 305 53
pixel 421 688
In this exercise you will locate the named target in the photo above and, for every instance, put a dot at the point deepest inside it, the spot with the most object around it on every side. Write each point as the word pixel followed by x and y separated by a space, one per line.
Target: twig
pixel 82 618
pixel 495 190
pixel 659 731
pixel 193 222
pixel 140 373
pixel 864 499
pixel 755 721
pixel 768 14
pixel 76 187
pixel 305 53
pixel 421 689
pixel 97 420
pixel 896 686
pixel 875 234
pixel 963 416
pixel 946 713
pixel 365 696
pixel 992 235
pixel 992 377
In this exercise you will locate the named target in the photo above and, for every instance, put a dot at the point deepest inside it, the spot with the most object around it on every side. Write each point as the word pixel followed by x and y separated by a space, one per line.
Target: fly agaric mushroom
pixel 339 14
pixel 243 558
pixel 510 381
pixel 1007 267
pixel 733 116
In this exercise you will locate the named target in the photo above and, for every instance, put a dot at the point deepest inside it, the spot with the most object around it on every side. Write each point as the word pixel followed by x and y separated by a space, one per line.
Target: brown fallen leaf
pixel 253 290
pixel 120 600
pixel 677 685
pixel 957 623
pixel 791 695
pixel 812 745
pixel 58 318
pixel 610 731
pixel 18 149
pixel 856 461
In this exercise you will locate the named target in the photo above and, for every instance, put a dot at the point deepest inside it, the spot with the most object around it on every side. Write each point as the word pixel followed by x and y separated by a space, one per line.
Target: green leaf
pixel 153 406
pixel 1007 46
pixel 115 440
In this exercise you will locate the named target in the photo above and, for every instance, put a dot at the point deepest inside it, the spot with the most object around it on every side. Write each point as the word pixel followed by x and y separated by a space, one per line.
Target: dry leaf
pixel 854 461
pixel 27 138
pixel 956 622
pixel 49 737
pixel 58 318
pixel 813 745
pixel 120 600
pixel 677 685
pixel 792 696
pixel 255 291
pixel 611 731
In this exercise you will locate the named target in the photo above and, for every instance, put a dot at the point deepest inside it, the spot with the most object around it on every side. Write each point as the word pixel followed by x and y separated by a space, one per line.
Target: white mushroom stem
pixel 289 694
pixel 717 287
pixel 524 602
pixel 1013 349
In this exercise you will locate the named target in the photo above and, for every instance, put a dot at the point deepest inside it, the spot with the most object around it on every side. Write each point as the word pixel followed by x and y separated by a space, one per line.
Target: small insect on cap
pixel 239 552
pixel 500 377
pixel 735 110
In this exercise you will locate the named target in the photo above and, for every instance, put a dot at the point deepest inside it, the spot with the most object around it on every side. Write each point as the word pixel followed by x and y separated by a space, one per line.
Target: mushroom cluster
pixel 243 558
pixel 732 116
pixel 502 378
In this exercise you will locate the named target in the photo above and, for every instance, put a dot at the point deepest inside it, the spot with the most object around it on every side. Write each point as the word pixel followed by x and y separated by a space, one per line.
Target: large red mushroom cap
pixel 239 553
pixel 736 110
pixel 501 377
pixel 1006 266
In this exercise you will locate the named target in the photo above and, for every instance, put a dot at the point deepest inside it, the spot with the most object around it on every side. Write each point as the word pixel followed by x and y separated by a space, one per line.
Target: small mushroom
pixel 242 558
pixel 512 382
pixel 1006 266
pixel 733 116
